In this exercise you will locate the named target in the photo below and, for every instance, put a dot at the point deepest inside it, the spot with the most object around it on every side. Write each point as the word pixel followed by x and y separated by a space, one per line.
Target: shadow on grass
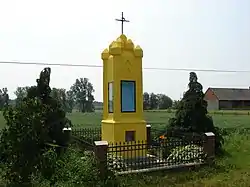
pixel 177 176
pixel 222 154
pixel 170 177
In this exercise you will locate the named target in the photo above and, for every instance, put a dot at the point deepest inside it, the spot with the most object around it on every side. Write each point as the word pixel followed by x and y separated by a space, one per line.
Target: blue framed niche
pixel 128 96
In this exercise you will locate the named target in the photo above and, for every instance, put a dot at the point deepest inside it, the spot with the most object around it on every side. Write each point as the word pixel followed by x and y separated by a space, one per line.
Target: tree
pixel 164 102
pixel 90 98
pixel 70 101
pixel 146 101
pixel 31 127
pixel 175 104
pixel 191 114
pixel 4 98
pixel 21 93
pixel 82 91
pixel 153 101
pixel 60 95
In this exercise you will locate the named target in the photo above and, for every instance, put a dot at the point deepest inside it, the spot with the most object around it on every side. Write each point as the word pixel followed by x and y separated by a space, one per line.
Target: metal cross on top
pixel 122 20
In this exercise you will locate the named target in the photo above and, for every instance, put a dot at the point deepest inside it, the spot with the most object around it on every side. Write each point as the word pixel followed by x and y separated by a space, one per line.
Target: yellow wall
pixel 115 69
pixel 139 128
pixel 108 128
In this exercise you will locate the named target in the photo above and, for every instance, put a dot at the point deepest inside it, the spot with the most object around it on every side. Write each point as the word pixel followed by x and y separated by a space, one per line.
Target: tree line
pixel 154 101
pixel 79 96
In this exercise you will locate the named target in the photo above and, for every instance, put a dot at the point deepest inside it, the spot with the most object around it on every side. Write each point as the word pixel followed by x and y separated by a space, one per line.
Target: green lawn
pixel 94 119
pixel 231 170
pixel 157 119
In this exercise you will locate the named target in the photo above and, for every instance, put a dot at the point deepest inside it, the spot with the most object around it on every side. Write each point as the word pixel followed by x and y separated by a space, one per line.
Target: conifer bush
pixel 192 115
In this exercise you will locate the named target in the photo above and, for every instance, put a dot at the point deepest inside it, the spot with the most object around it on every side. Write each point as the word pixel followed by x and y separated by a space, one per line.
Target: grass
pixel 231 170
pixel 157 119
pixel 222 112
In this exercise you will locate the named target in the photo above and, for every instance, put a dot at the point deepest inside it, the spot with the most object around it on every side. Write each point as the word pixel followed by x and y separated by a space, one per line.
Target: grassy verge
pixel 231 170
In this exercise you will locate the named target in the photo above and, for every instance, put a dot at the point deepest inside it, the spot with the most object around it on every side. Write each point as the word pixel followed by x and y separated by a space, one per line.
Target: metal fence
pixel 88 135
pixel 159 152
pixel 174 150
pixel 134 156
pixel 94 134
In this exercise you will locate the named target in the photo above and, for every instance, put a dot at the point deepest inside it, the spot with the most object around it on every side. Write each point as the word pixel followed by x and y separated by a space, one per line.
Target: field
pixel 158 119
pixel 238 119
pixel 161 117
pixel 231 170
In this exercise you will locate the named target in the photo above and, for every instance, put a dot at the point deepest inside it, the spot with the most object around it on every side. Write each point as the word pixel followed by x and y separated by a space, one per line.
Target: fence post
pixel 209 146
pixel 149 138
pixel 67 133
pixel 101 149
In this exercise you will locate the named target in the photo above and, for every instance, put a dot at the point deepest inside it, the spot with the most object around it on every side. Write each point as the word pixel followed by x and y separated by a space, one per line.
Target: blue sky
pixel 201 34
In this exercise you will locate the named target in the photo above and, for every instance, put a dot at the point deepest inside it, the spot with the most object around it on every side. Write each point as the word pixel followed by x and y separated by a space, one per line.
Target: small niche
pixel 129 136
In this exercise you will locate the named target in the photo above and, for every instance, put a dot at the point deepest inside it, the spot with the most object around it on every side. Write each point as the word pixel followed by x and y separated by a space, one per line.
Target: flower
pixel 162 137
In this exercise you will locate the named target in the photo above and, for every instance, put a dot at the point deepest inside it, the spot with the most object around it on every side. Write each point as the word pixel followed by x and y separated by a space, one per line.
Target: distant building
pixel 98 105
pixel 227 99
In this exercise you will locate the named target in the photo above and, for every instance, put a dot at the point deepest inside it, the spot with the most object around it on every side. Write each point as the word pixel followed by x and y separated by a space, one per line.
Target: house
pixel 227 99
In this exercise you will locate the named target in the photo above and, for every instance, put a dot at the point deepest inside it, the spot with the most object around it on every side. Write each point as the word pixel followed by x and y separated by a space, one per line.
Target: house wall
pixel 234 105
pixel 246 105
pixel 212 100
pixel 212 105
pixel 225 105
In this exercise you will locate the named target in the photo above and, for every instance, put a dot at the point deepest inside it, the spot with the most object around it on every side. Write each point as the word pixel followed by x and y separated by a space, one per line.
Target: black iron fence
pixel 161 152
pixel 131 156
pixel 94 134
pixel 88 135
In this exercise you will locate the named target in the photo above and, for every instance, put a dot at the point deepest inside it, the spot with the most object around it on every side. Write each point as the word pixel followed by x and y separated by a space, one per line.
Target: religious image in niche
pixel 129 136
pixel 128 102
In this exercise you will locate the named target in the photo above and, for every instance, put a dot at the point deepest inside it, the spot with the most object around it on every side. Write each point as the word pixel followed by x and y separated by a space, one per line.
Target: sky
pixel 198 34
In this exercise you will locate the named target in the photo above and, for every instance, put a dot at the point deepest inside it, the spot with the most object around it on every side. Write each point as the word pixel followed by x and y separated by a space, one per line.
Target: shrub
pixel 36 121
pixel 187 154
pixel 191 114
pixel 77 168
pixel 168 145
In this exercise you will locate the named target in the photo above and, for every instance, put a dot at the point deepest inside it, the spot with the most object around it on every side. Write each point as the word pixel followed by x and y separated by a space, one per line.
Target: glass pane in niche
pixel 128 96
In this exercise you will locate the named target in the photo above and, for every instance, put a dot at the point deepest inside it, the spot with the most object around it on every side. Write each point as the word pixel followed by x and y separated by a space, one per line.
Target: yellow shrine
pixel 123 92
